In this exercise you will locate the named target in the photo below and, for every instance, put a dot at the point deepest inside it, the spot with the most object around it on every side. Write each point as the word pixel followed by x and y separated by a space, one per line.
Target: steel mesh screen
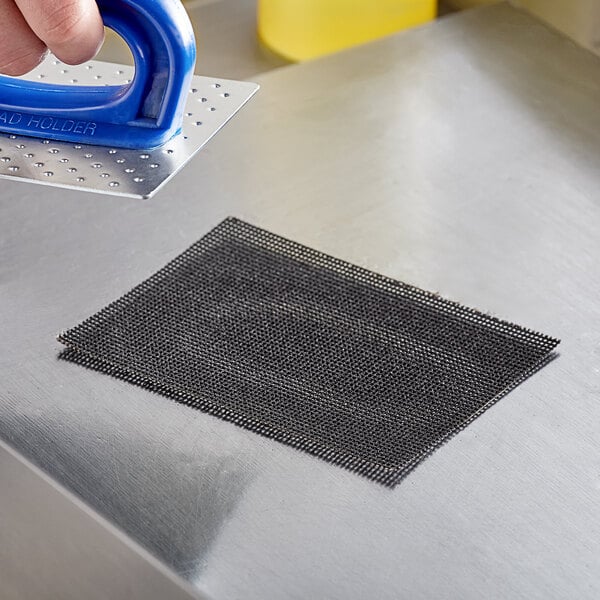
pixel 354 367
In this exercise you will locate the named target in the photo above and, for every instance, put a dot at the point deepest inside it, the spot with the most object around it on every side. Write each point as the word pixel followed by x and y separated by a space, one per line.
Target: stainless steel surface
pixel 54 547
pixel 227 39
pixel 579 19
pixel 134 173
pixel 226 36
pixel 461 157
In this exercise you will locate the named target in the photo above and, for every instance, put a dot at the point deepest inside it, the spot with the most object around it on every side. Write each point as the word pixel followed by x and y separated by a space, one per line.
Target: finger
pixel 72 29
pixel 21 50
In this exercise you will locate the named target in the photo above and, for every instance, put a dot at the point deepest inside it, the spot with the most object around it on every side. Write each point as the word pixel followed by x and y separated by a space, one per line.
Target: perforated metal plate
pixel 135 173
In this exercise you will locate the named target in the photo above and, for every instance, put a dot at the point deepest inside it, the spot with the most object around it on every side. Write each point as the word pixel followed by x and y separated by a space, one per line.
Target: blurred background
pixel 238 39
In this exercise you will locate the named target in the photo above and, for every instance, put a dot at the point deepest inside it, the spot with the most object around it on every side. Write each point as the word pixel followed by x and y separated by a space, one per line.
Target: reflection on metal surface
pixel 454 157
pixel 54 547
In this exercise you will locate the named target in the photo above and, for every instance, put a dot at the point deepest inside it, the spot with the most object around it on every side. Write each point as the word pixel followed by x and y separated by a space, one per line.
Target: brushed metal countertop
pixel 55 548
pixel 462 157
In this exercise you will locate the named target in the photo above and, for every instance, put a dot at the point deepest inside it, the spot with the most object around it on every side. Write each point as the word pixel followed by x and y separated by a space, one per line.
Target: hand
pixel 71 29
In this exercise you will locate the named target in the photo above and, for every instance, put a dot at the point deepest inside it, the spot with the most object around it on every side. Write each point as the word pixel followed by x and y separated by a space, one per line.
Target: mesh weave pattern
pixel 357 368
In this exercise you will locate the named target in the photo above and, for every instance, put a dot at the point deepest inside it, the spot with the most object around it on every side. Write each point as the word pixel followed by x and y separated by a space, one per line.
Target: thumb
pixel 72 29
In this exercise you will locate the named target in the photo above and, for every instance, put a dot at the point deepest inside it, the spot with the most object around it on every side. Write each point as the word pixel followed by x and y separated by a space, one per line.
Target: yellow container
pixel 303 29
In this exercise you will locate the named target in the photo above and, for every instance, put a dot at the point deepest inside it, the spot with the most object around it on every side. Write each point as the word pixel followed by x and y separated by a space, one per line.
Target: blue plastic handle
pixel 143 114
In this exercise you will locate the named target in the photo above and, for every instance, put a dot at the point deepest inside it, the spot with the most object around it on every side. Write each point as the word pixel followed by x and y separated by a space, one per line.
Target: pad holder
pixel 85 143
pixel 143 113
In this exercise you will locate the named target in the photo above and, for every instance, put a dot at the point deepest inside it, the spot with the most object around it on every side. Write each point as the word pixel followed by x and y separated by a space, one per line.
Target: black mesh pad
pixel 359 369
